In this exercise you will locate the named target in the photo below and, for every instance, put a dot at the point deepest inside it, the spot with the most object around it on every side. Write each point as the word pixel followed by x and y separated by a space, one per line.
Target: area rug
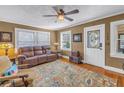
pixel 63 74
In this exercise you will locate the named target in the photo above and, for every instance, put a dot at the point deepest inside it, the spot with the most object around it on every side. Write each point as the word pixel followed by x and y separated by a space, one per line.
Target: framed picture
pixel 77 37
pixel 93 39
pixel 5 36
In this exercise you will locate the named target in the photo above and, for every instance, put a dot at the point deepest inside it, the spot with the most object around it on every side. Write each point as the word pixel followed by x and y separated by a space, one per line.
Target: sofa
pixel 35 55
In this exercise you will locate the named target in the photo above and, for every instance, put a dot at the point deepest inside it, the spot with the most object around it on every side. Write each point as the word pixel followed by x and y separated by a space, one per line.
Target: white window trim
pixel 61 41
pixel 17 35
pixel 32 31
pixel 114 38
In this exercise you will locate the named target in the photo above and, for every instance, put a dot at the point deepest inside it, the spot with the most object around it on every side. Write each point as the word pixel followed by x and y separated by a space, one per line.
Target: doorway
pixel 94 45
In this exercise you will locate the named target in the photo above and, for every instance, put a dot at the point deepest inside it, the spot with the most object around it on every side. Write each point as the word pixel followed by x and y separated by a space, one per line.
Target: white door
pixel 94 45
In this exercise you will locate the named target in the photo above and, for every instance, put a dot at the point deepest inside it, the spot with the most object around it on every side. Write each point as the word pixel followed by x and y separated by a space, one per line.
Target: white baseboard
pixel 83 61
pixel 114 69
pixel 105 67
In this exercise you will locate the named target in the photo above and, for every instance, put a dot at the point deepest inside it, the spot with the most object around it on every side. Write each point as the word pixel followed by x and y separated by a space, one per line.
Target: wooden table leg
pixel 24 81
pixel 13 83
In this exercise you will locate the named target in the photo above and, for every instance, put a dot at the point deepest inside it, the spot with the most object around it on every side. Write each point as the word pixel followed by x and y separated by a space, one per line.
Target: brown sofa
pixel 35 55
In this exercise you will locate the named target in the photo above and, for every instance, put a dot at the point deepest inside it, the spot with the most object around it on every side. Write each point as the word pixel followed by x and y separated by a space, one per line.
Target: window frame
pixel 35 33
pixel 61 40
pixel 43 40
pixel 114 39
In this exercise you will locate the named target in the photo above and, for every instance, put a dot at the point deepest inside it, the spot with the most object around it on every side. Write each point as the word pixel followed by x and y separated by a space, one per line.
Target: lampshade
pixel 5 45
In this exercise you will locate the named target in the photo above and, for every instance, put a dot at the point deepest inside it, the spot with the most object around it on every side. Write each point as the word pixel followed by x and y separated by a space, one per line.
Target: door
pixel 94 45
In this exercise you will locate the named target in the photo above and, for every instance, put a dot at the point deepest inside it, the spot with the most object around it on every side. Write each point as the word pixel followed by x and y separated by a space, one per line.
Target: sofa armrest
pixel 21 58
pixel 50 52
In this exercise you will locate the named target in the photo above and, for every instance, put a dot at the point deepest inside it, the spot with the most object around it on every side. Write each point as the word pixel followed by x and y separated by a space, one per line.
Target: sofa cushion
pixel 42 58
pixel 26 49
pixel 38 50
pixel 31 60
pixel 38 53
pixel 28 54
pixel 51 57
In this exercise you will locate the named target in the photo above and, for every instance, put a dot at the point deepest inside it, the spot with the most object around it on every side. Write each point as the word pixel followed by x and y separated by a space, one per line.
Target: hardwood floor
pixel 118 76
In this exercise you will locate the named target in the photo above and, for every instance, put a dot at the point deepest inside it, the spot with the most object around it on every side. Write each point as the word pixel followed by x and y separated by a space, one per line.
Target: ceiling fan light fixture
pixel 61 17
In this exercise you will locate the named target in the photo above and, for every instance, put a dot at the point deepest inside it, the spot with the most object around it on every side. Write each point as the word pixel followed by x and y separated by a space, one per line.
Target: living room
pixel 55 45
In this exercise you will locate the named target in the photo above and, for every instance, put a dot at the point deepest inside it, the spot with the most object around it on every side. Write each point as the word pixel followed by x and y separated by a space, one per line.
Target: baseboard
pixel 105 67
pixel 114 69
pixel 82 61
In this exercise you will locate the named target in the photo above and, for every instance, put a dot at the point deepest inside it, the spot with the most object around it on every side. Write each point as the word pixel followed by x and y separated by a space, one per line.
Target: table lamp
pixel 6 46
pixel 56 45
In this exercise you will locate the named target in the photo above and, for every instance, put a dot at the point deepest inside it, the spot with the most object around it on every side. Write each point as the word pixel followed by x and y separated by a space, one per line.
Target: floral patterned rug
pixel 62 74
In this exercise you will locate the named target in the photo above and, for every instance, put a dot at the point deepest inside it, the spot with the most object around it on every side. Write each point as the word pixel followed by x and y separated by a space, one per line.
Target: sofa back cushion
pixel 27 51
pixel 33 51
pixel 28 54
pixel 38 50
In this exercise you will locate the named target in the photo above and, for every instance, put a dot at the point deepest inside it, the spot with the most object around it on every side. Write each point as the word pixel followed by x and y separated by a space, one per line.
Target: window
pixel 31 38
pixel 25 38
pixel 43 38
pixel 117 39
pixel 121 43
pixel 66 40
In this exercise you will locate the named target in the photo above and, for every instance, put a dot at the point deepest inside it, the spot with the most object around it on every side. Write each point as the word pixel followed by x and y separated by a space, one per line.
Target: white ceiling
pixel 32 14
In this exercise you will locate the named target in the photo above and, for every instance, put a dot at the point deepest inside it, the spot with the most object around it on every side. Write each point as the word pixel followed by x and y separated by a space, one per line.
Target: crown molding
pixel 84 22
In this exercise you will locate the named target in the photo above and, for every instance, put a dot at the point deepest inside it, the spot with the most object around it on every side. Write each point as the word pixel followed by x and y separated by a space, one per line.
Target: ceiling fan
pixel 61 15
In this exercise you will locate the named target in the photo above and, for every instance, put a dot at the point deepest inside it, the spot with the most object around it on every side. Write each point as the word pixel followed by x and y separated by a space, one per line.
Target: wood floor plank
pixel 114 75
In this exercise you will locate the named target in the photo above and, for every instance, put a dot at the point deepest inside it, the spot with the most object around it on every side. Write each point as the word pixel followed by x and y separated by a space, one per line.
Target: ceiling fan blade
pixel 70 19
pixel 56 9
pixel 49 15
pixel 72 12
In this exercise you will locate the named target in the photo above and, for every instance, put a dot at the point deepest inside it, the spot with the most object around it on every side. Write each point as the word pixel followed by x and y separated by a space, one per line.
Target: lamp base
pixel 6 52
